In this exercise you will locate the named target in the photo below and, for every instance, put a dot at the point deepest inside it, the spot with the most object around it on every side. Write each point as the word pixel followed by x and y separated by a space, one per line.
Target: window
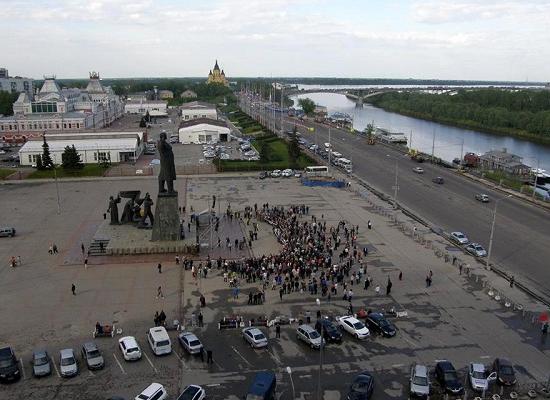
pixel 57 126
pixel 10 127
pixel 64 126
pixel 30 158
pixel 77 125
pixel 70 125
pixel 187 117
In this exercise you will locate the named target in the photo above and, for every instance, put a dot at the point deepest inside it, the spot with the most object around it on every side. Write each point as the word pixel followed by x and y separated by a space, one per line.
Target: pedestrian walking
pixel 159 292
pixel 82 248
pixel 54 249
pixel 388 287
pixel 177 259
pixel 86 263
pixel 512 280
pixel 281 294
pixel 209 359
pixel 400 275
pixel 50 250
pixel 428 281
pixel 200 319
pixel 201 353
pixel 369 224
pixel 159 268
pixel 377 290
pixel 156 319
pixel 73 289
pixel 277 331
pixel 367 283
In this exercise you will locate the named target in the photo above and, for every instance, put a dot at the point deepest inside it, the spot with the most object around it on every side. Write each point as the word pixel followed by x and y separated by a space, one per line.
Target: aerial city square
pixel 275 200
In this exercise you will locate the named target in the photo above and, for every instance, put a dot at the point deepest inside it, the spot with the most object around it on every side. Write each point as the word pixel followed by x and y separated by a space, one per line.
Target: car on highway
pixel 353 326
pixel 130 348
pixel 92 356
pixel 328 330
pixel 263 175
pixel 68 365
pixel 310 336
pixel 41 363
pixel 479 377
pixel 6 231
pixel 190 342
pixel 361 387
pixel 447 377
pixel 276 173
pixel 476 249
pixel 482 197
pixel 287 173
pixel 459 238
pixel 418 170
pixel 192 392
pixel 155 391
pixel 505 372
pixel 439 180
pixel 419 381
pixel 255 337
pixel 377 323
pixel 9 366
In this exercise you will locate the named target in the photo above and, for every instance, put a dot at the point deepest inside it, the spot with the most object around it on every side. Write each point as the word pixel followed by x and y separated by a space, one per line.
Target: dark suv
pixel 9 367
pixel 379 324
pixel 446 374
pixel 505 372
pixel 330 332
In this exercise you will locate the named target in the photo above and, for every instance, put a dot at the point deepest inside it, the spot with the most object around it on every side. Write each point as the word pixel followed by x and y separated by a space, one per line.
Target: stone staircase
pixel 98 247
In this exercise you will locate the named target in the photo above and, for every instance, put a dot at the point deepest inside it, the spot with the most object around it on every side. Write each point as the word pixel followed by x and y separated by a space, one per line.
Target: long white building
pixel 155 108
pixel 93 147
pixel 203 130
pixel 198 109
pixel 57 110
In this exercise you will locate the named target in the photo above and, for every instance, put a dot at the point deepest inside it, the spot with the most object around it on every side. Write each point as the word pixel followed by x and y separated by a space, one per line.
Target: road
pixel 522 233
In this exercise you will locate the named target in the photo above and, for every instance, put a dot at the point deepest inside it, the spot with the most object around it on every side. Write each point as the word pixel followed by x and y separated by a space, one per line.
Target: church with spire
pixel 217 76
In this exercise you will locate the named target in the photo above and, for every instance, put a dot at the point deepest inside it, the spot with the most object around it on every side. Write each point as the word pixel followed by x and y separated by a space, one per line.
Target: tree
pixel 294 148
pixel 47 162
pixel 265 152
pixel 6 102
pixel 71 159
pixel 39 165
pixel 308 105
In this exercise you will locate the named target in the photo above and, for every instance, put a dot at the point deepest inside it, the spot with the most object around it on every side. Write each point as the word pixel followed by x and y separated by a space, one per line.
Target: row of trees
pixel 70 159
pixel 524 113
pixel 6 102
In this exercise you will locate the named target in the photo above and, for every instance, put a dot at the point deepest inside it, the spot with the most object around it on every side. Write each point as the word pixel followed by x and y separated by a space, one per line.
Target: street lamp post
pixel 493 230
pixel 289 371
pixel 395 187
pixel 319 388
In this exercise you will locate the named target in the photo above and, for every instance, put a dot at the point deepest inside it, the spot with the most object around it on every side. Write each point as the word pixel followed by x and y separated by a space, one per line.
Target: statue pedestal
pixel 167 220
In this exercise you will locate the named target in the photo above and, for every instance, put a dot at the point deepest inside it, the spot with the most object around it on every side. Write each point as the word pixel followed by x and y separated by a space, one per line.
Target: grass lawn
pixel 88 170
pixel 4 172
pixel 507 181
pixel 279 158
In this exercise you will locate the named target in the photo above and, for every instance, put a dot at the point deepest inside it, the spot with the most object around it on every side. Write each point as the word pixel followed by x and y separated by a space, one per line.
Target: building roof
pixel 122 144
pixel 49 86
pixel 195 105
pixel 198 121
pixel 40 116
pixel 94 86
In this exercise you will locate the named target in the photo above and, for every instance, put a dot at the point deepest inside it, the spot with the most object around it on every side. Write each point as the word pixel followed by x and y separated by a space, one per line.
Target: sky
pixel 422 39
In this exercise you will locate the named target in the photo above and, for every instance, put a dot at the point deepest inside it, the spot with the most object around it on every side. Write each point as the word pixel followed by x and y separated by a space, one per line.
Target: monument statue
pixel 128 212
pixel 167 168
pixel 147 204
pixel 113 209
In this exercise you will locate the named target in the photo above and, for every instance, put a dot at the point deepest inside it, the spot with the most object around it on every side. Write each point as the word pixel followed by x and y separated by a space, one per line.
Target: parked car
pixel 192 392
pixel 263 175
pixel 297 174
pixel 255 337
pixel 129 348
pixel 505 372
pixel 446 374
pixel 41 363
pixel 362 387
pixel 92 356
pixel 190 342
pixel 459 237
pixel 9 366
pixel 353 326
pixel 479 377
pixel 379 324
pixel 68 366
pixel 476 249
pixel 287 173
pixel 155 391
pixel 328 330
pixel 419 381
pixel 7 232
pixel 482 197
pixel 418 170
pixel 307 334
pixel 276 173
pixel 263 386
pixel 439 180
pixel 159 341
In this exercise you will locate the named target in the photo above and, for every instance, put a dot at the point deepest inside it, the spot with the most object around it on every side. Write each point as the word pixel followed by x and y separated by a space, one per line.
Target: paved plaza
pixel 453 319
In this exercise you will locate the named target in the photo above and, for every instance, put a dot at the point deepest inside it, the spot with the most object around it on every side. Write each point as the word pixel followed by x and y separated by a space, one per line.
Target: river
pixel 449 140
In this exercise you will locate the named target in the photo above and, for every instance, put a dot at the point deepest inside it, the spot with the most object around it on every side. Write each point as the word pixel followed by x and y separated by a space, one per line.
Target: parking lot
pixel 454 319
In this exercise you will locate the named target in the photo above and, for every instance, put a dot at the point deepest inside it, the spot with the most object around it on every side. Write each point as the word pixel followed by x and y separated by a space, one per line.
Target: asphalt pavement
pixel 521 235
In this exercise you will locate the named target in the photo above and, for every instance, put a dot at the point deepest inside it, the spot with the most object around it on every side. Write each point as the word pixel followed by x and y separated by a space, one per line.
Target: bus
pixel 320 170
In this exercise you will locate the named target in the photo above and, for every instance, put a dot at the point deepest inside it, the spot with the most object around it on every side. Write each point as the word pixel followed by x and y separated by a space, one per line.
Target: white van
pixel 327 146
pixel 155 391
pixel 335 154
pixel 159 341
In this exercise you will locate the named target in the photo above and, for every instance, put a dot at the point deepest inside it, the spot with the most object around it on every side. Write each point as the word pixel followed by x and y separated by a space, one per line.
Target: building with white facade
pixel 198 109
pixel 203 130
pixel 93 147
pixel 57 110
pixel 15 84
pixel 155 108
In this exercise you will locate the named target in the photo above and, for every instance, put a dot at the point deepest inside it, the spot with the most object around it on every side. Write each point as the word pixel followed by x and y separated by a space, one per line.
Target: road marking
pixel 304 376
pixel 275 357
pixel 217 365
pixel 240 355
pixel 55 367
pixel 91 373
pixel 23 368
pixel 213 385
pixel 485 357
pixel 150 363
pixel 397 365
pixel 119 364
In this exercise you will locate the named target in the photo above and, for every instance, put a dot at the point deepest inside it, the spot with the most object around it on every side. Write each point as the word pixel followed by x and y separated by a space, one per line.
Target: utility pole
pixel 536 177
pixel 329 147
pixel 493 230
pixel 282 107
pixel 395 190
pixel 57 190
pixel 319 387
pixel 461 152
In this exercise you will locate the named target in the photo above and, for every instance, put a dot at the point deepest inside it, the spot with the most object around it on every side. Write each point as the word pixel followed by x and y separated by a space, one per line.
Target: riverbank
pixel 515 133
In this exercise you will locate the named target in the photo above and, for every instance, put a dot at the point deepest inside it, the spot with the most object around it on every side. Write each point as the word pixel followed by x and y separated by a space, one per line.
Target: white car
pixel 459 237
pixel 192 392
pixel 129 348
pixel 208 154
pixel 479 377
pixel 190 342
pixel 476 249
pixel 354 327
pixel 224 156
pixel 67 363
pixel 276 173
pixel 418 170
pixel 255 337
pixel 155 391
pixel 287 173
